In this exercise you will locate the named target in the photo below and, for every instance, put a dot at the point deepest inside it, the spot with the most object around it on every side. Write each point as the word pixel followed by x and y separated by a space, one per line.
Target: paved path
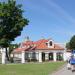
pixel 64 71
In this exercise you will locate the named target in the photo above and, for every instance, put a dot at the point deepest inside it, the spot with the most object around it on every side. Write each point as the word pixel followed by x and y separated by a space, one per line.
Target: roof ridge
pixel 40 42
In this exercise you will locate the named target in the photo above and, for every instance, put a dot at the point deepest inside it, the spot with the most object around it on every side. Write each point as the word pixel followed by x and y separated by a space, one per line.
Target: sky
pixel 53 19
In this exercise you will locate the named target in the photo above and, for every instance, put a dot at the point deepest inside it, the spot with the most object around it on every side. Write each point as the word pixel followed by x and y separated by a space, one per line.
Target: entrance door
pixel 51 56
pixel 43 56
pixel 59 56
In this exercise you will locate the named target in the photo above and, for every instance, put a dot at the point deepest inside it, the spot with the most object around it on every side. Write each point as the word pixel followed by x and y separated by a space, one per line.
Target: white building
pixel 2 55
pixel 41 50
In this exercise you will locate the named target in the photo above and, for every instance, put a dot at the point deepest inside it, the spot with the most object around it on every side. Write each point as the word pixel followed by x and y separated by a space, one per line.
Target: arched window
pixel 50 43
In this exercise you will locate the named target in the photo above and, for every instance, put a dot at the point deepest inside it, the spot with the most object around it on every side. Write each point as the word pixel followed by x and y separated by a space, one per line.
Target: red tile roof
pixel 38 45
pixel 27 43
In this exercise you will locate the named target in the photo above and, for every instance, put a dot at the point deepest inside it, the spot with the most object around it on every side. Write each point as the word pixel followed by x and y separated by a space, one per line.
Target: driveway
pixel 64 71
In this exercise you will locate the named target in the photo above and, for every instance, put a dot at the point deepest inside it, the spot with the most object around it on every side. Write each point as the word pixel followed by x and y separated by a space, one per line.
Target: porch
pixel 40 56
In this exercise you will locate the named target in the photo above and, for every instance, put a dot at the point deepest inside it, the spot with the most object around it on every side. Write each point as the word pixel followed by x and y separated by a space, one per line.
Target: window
pixel 47 44
pixel 50 43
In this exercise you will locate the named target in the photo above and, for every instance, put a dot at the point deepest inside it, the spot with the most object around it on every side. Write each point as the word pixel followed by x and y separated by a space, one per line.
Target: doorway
pixel 51 56
pixel 43 56
pixel 59 56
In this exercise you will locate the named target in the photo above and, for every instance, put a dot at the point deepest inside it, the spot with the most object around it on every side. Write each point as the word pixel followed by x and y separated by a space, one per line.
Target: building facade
pixel 40 51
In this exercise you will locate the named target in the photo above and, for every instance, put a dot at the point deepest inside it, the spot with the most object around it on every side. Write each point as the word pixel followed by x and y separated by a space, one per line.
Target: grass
pixel 30 68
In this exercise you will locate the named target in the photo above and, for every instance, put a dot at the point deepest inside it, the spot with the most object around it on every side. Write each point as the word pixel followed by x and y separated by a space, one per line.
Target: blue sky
pixel 48 19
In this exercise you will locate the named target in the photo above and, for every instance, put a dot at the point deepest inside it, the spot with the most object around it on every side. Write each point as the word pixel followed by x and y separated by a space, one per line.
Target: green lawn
pixel 30 68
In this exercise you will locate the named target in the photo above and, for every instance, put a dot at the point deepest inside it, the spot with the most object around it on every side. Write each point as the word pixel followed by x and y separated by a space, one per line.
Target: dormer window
pixel 50 43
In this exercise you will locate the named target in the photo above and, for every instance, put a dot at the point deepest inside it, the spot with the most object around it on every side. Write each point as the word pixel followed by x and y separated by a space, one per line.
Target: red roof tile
pixel 38 45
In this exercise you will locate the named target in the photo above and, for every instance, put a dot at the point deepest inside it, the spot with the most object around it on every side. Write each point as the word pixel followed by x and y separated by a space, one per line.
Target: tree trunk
pixel 7 55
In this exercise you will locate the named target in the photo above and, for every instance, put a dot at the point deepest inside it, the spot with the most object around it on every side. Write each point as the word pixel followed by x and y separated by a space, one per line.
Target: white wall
pixel 68 54
pixel 37 55
pixel 17 55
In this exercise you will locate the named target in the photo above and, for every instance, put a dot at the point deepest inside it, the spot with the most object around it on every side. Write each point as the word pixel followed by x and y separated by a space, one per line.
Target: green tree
pixel 72 43
pixel 11 22
pixel 12 47
pixel 68 45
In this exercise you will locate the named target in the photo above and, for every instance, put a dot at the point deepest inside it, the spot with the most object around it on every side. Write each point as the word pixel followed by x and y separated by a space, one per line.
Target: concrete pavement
pixel 63 71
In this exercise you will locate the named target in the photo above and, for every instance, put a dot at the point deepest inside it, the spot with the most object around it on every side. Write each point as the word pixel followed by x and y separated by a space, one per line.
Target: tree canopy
pixel 72 43
pixel 11 22
pixel 68 45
